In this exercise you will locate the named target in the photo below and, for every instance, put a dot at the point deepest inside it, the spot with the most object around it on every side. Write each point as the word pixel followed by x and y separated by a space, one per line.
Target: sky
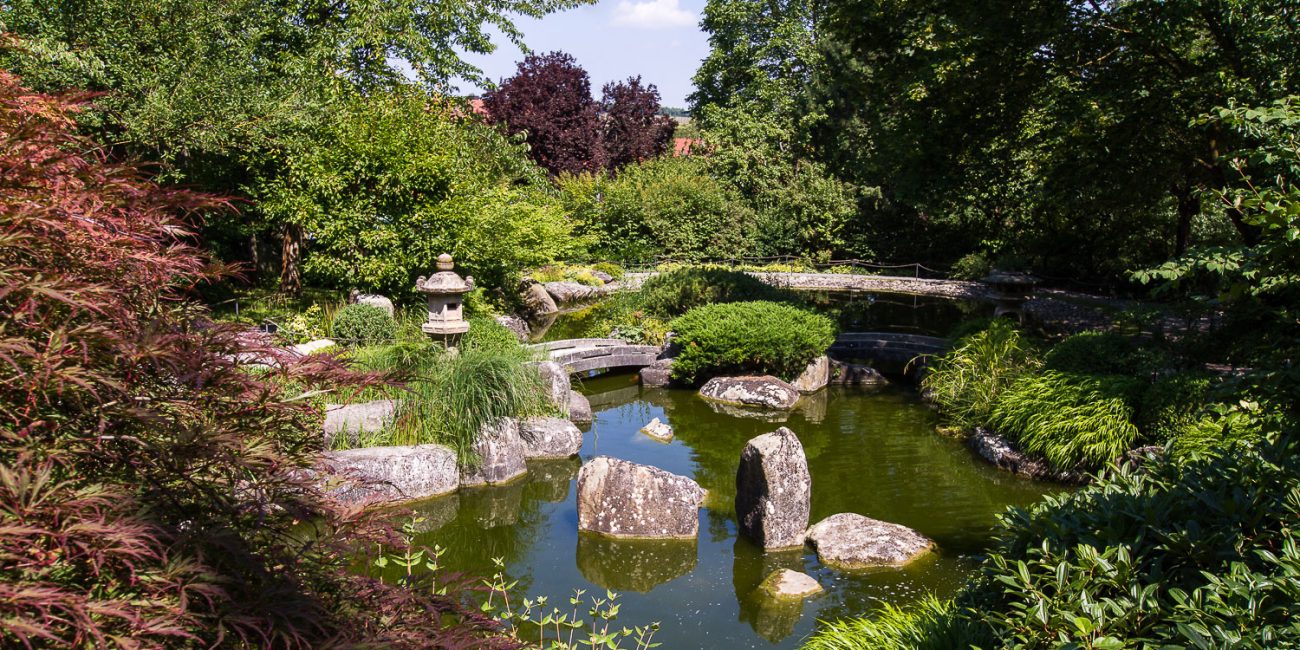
pixel 660 40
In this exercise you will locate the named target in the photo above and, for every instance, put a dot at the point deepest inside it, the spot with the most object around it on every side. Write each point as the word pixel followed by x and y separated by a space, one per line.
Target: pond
pixel 873 452
pixel 854 311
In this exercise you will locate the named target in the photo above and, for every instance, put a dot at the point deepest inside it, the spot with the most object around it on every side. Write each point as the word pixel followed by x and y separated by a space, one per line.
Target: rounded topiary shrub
pixel 748 338
pixel 363 325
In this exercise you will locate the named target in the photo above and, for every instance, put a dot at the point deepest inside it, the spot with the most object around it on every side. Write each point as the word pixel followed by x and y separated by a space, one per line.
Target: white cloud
pixel 652 14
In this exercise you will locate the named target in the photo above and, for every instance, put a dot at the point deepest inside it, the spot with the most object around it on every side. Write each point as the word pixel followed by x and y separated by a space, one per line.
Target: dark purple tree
pixel 549 100
pixel 633 128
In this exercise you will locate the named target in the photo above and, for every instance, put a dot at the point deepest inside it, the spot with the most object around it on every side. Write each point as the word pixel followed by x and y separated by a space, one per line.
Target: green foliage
pixel 967 381
pixel 665 205
pixel 609 268
pixel 1171 405
pixel 1103 353
pixel 1074 421
pixel 673 293
pixel 363 325
pixel 433 182
pixel 1200 554
pixel 624 317
pixel 561 272
pixel 928 624
pixel 972 266
pixel 748 338
pixel 487 335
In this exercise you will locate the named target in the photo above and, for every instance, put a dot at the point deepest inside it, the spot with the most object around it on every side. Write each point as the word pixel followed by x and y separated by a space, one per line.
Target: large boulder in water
pixel 537 302
pixel 550 438
pixel 763 392
pixel 570 292
pixel 851 541
pixel 500 453
pixel 774 490
pixel 580 409
pixel 815 376
pixel 657 374
pixel 619 498
pixel 390 473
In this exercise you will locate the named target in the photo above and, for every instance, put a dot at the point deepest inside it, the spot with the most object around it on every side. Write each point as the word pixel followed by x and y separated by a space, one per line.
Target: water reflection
pixel 772 619
pixel 549 479
pixel 635 565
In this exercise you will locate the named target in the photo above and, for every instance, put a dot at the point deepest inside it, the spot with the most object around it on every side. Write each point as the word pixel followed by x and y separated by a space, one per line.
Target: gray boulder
pixel 602 276
pixel 774 490
pixel 815 376
pixel 516 325
pixel 619 498
pixel 555 381
pixel 380 474
pixel 550 438
pixel 580 409
pixel 763 392
pixel 657 374
pixel 352 419
pixel 853 374
pixel 851 541
pixel 570 292
pixel 998 451
pixel 536 301
pixel 374 300
pixel 500 453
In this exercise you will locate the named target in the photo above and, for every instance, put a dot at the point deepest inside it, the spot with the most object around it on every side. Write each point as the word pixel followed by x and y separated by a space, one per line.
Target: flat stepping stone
pixel 784 584
pixel 851 541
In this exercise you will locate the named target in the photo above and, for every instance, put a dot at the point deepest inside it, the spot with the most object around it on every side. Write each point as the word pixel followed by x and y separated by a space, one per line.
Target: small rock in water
pixel 763 392
pixel 785 584
pixel 658 430
pixel 851 541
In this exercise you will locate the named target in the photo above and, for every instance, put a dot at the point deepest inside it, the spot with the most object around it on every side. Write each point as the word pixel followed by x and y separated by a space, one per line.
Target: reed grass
pixel 966 382
pixel 1074 421
pixel 929 624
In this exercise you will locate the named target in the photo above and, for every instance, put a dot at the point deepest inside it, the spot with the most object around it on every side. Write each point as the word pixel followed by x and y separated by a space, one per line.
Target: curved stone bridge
pixel 584 355
pixel 893 351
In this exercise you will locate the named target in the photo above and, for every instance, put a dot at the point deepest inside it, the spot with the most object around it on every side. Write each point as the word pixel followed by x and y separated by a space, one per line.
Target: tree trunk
pixel 291 259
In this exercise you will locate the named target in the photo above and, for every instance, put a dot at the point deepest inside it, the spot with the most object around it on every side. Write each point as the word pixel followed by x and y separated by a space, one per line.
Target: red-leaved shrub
pixel 153 493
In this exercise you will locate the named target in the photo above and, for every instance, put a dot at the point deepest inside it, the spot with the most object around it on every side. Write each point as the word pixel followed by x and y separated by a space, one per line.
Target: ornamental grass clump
pixel 746 338
pixel 1074 421
pixel 966 382
pixel 154 493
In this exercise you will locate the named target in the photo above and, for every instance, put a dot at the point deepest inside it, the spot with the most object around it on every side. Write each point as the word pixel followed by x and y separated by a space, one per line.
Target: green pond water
pixel 869 452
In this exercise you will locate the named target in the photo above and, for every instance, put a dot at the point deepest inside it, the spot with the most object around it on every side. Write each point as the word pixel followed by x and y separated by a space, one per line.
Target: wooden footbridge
pixel 887 349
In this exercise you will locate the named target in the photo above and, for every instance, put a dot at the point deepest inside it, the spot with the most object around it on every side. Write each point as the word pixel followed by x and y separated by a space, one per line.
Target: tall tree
pixel 633 128
pixel 210 87
pixel 1067 122
pixel 549 102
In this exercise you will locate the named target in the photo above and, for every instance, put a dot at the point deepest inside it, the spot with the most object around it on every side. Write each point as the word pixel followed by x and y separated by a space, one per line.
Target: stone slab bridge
pixel 888 349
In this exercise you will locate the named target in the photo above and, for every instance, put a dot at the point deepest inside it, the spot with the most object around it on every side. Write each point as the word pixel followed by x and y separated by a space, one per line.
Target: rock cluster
pixel 774 490
pixel 763 392
pixel 619 498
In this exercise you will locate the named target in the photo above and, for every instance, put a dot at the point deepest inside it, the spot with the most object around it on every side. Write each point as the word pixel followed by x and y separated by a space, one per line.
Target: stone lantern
pixel 1010 292
pixel 445 292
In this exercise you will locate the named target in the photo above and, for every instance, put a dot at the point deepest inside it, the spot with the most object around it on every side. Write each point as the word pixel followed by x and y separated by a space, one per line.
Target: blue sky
pixel 614 39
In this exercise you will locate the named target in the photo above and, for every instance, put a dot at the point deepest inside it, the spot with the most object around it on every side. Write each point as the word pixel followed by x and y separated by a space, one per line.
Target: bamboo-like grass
pixel 928 624
pixel 1072 420
pixel 966 382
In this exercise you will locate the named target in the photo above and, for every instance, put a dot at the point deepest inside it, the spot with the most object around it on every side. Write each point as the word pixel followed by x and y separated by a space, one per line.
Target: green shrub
pixel 1074 421
pixel 929 624
pixel 487 334
pixel 1171 404
pixel 673 293
pixel 971 266
pixel 609 268
pixel 363 325
pixel 1104 353
pixel 748 338
pixel 966 381
pixel 1198 554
